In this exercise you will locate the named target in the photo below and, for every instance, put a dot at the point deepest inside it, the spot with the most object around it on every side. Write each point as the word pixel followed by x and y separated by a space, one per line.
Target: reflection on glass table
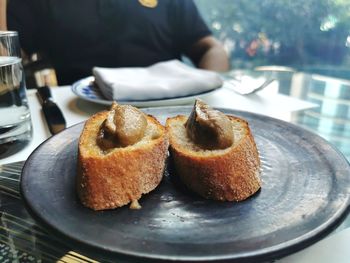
pixel 331 119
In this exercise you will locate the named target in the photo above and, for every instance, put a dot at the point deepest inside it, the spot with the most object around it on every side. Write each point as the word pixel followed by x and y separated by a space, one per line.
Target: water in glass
pixel 15 123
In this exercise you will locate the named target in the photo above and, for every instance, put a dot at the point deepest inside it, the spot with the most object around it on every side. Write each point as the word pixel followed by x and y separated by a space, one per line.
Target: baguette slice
pixel 107 180
pixel 230 174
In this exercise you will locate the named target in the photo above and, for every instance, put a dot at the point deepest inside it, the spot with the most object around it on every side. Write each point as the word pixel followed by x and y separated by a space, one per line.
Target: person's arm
pixel 3 24
pixel 208 53
pixel 194 39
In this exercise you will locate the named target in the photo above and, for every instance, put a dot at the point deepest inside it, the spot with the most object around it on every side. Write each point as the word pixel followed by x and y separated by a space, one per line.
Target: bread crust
pixel 107 181
pixel 229 175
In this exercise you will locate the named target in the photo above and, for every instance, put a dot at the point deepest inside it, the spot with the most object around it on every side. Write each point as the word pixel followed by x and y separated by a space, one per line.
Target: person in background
pixel 78 35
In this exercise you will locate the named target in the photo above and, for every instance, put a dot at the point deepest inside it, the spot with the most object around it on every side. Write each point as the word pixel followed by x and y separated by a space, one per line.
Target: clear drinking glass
pixel 15 121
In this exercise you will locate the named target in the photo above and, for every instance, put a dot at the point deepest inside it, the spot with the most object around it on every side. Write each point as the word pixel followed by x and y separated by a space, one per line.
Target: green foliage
pixel 287 32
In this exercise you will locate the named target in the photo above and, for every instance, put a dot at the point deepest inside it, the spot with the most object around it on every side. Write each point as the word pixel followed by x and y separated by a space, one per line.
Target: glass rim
pixel 8 33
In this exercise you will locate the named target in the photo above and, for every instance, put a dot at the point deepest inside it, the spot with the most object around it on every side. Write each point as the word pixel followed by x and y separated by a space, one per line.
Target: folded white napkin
pixel 162 80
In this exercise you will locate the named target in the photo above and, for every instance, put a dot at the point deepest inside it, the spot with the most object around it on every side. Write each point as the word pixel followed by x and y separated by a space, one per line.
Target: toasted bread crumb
pixel 135 205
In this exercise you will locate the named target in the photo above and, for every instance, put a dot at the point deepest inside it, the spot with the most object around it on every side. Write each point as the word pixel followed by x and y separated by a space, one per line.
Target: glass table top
pixel 330 118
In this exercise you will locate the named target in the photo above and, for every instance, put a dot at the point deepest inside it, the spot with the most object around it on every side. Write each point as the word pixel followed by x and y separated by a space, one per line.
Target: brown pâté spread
pixel 209 128
pixel 125 125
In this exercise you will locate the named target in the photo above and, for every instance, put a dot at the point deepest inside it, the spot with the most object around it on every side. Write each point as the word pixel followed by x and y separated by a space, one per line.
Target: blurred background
pixel 311 36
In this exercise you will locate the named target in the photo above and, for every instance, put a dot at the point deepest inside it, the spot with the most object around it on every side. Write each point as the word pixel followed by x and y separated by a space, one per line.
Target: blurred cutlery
pixel 246 85
pixel 53 115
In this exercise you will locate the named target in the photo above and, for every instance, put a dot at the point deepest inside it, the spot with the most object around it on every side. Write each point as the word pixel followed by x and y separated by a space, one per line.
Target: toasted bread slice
pixel 230 174
pixel 107 180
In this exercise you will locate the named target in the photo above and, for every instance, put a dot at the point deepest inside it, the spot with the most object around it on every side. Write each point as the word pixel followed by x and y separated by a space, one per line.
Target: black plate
pixel 305 194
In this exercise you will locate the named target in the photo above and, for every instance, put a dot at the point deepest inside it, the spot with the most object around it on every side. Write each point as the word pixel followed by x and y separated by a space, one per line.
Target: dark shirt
pixel 77 35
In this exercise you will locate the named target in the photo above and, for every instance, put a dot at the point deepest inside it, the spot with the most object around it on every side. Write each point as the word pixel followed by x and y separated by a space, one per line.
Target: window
pixel 311 36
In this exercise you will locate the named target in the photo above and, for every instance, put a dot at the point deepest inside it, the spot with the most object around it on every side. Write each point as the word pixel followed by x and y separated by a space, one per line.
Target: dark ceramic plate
pixel 305 194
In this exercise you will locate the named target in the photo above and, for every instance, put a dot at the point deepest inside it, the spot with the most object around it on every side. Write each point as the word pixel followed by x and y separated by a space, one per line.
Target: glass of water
pixel 15 121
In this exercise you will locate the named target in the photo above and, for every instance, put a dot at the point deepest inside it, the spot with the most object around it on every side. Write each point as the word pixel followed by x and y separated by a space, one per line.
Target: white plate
pixel 86 89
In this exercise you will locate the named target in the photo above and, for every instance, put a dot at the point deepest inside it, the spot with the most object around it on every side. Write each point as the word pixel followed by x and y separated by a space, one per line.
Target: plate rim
pixel 273 252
